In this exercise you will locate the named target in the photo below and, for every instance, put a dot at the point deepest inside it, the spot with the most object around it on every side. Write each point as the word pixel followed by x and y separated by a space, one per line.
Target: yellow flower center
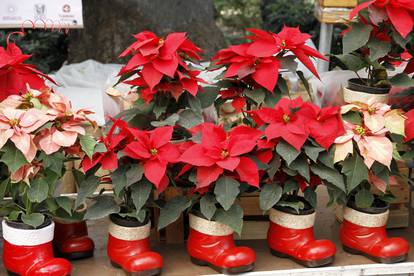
pixel 360 130
pixel 14 122
pixel 371 110
pixel 224 153
pixel 286 118
pixel 283 43
pixel 161 41
pixel 153 151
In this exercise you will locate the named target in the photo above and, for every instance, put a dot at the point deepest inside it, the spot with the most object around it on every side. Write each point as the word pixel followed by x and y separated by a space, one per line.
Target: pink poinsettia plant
pixel 298 138
pixel 252 69
pixel 366 153
pixel 39 133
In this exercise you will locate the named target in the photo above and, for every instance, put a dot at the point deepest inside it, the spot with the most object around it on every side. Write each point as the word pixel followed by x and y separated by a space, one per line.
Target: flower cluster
pixel 400 13
pixel 15 75
pixel 161 65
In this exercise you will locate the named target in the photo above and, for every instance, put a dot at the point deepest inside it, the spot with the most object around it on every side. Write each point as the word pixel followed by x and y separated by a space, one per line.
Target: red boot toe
pixel 317 250
pixel 56 267
pixel 147 261
pixel 392 247
pixel 237 256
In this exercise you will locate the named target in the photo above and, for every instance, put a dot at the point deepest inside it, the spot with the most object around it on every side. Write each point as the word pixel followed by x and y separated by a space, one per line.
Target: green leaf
pixel 172 210
pixel 208 206
pixel 12 157
pixel 295 205
pixel 282 85
pixel 14 215
pixel 100 147
pixel 355 171
pixel 209 95
pixel 38 190
pixel 104 206
pixel 352 62
pixel 257 95
pixel 134 174
pixel 34 220
pixel 274 166
pixel 287 152
pixel 378 49
pixel 189 118
pixel 289 186
pixel 364 199
pixel 226 191
pixel 402 79
pixel 232 218
pixel 313 152
pixel 53 162
pixel 119 180
pixel 4 185
pixel 330 175
pixel 356 38
pixel 170 121
pixel 305 82
pixel 353 117
pixel 271 99
pixel 269 196
pixel 85 189
pixel 327 158
pixel 65 203
pixel 88 144
pixel 310 196
pixel 195 104
pixel 159 110
pixel 302 167
pixel 140 194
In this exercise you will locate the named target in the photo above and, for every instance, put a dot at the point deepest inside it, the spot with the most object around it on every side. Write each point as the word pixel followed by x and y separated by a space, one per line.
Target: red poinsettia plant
pixel 137 162
pixel 16 75
pixel 379 38
pixel 298 140
pixel 252 73
pixel 39 133
pixel 219 165
pixel 162 72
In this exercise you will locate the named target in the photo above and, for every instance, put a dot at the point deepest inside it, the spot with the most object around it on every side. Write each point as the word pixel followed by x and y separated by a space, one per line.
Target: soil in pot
pixel 360 86
pixel 21 225
pixel 307 210
pixel 128 221
pixel 378 206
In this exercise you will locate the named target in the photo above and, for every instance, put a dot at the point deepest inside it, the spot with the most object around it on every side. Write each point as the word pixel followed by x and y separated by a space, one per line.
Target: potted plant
pixel 366 156
pixel 298 137
pixel 220 165
pixel 40 133
pixel 377 41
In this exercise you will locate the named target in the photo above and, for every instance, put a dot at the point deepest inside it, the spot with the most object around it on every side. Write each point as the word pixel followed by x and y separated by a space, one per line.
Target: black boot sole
pixel 223 270
pixel 316 263
pixel 15 274
pixel 151 272
pixel 392 260
pixel 75 255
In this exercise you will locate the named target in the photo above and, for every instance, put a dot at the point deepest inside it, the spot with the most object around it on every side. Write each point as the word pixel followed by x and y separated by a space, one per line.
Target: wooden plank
pixel 174 233
pixel 250 205
pixel 332 15
pixel 339 3
pixel 253 230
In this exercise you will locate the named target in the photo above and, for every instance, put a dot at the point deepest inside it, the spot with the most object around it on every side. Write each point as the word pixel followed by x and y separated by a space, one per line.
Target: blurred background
pixel 212 24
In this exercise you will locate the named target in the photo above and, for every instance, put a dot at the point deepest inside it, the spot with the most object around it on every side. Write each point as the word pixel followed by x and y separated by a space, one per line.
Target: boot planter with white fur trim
pixel 290 235
pixel 359 92
pixel 211 243
pixel 29 251
pixel 363 233
pixel 71 239
pixel 129 247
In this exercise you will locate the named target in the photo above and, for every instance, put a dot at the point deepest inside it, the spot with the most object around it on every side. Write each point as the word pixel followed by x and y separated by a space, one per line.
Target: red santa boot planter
pixel 211 243
pixel 129 247
pixel 71 240
pixel 29 252
pixel 290 235
pixel 363 232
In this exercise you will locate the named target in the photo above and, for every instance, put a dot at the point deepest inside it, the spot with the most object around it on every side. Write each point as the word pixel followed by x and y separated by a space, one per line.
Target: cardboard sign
pixel 52 13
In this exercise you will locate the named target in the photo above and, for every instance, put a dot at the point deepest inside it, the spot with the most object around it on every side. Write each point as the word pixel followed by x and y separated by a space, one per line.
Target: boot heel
pixel 278 254
pixel 198 262
pixel 350 250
